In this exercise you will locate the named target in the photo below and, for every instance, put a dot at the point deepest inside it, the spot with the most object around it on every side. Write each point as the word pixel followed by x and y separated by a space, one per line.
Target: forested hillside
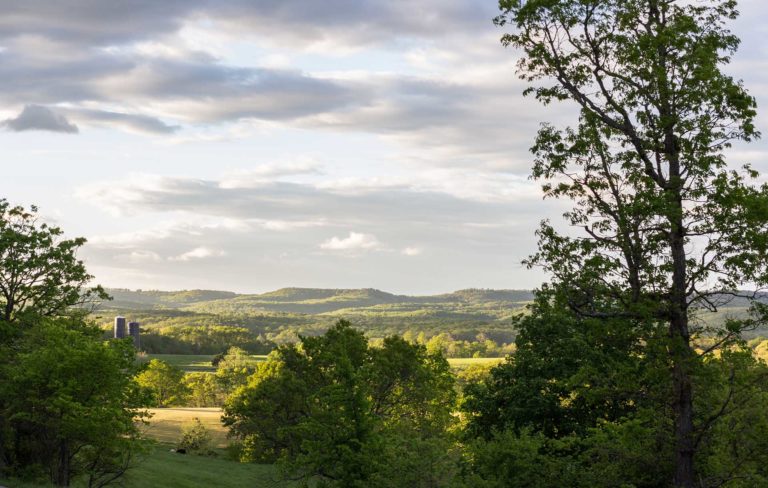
pixel 206 321
pixel 463 323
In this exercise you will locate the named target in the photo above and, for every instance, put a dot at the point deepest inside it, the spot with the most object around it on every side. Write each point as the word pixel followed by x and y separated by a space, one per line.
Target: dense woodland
pixel 639 364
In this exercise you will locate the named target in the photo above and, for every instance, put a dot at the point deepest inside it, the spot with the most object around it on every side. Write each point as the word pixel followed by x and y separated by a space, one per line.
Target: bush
pixel 195 437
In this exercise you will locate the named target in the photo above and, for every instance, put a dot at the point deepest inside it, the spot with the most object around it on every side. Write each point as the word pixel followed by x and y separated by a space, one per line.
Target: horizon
pixel 141 290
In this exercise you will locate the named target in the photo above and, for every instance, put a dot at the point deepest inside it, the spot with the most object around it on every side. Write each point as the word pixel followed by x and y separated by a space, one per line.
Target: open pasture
pixel 166 424
pixel 461 363
pixel 192 362
pixel 202 362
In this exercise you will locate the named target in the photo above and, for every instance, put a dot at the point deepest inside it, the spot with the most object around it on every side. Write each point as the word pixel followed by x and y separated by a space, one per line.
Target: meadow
pixel 202 362
pixel 166 424
pixel 192 362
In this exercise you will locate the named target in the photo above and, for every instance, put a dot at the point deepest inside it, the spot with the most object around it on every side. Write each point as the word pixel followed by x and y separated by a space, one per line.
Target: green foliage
pixel 626 454
pixel 584 402
pixel 338 410
pixel 473 374
pixel 667 228
pixel 732 403
pixel 195 437
pixel 568 374
pixel 202 339
pixel 71 404
pixel 164 382
pixel 233 370
pixel 42 276
pixel 203 390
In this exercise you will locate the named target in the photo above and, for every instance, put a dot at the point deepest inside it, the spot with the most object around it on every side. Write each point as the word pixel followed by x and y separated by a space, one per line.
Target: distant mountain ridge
pixel 281 315
pixel 301 300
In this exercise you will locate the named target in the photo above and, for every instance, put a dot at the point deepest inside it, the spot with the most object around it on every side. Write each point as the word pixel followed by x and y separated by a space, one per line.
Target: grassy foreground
pixel 165 469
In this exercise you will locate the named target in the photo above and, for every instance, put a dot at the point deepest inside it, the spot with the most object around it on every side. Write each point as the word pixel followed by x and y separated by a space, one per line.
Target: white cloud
pixel 355 241
pixel 411 251
pixel 285 225
pixel 142 256
pixel 198 253
pixel 269 172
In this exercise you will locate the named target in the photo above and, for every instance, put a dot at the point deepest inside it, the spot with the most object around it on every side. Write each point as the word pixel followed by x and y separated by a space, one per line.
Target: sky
pixel 252 145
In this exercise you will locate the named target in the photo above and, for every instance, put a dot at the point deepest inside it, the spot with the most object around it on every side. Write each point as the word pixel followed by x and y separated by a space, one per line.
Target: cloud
pixel 285 233
pixel 36 117
pixel 356 241
pixel 139 257
pixel 411 251
pixel 82 22
pixel 204 92
pixel 438 199
pixel 459 109
pixel 198 253
pixel 266 172
pixel 130 122
pixel 330 23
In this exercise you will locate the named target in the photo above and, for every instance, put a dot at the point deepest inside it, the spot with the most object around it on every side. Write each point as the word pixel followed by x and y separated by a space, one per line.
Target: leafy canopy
pixel 336 409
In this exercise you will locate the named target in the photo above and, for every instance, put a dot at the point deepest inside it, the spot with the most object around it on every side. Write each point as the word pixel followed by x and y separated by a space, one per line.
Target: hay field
pixel 166 424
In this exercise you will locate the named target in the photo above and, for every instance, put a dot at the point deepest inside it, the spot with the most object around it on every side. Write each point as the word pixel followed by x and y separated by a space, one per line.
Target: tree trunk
pixel 681 356
pixel 62 470
pixel 683 409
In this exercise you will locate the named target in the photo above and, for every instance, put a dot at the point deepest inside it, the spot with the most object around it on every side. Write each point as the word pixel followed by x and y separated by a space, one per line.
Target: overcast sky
pixel 250 145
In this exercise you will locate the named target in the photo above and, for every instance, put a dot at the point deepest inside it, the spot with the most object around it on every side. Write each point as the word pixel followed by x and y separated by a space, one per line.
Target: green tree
pixel 569 373
pixel 72 404
pixel 668 228
pixel 203 390
pixel 233 370
pixel 336 409
pixel 164 381
pixel 40 275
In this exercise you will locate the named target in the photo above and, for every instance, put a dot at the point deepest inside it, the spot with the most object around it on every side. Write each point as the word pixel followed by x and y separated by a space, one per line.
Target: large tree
pixel 668 228
pixel 72 404
pixel 40 278
pixel 40 274
pixel 346 414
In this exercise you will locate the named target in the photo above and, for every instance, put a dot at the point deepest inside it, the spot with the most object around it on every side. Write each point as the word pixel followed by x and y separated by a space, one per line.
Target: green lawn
pixel 192 362
pixel 165 469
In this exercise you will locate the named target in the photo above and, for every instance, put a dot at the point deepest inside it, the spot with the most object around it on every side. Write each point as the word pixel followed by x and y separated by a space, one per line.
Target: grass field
pixel 166 424
pixel 202 362
pixel 459 363
pixel 192 362
pixel 165 469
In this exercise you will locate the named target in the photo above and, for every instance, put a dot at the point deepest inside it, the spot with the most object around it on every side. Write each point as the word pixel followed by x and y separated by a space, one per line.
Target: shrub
pixel 195 437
